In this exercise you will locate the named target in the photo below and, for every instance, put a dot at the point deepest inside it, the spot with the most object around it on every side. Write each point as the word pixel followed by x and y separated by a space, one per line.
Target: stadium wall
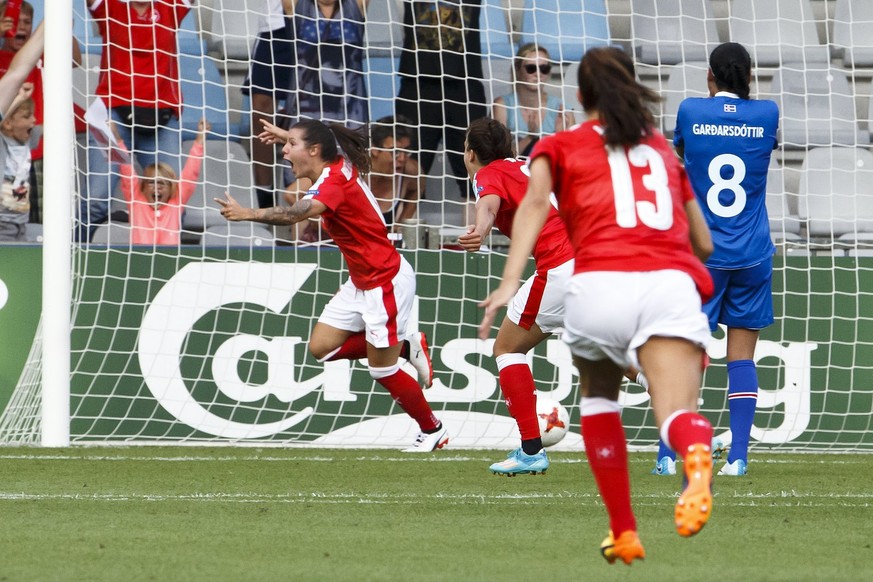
pixel 181 347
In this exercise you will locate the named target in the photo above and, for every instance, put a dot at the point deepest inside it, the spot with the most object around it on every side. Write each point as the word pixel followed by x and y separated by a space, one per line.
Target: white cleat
pixel 419 357
pixel 428 442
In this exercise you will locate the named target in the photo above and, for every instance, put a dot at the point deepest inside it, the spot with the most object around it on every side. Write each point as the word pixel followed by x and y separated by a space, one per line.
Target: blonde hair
pixel 166 171
pixel 524 51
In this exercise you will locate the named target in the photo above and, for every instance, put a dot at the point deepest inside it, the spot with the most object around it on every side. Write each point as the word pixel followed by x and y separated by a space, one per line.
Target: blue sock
pixel 742 399
pixel 665 451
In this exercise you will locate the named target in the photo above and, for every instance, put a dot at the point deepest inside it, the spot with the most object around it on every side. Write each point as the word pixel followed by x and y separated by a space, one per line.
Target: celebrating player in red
pixel 635 296
pixel 500 182
pixel 369 315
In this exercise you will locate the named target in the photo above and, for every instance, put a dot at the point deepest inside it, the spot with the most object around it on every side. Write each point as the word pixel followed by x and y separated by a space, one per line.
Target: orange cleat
pixel 626 548
pixel 695 504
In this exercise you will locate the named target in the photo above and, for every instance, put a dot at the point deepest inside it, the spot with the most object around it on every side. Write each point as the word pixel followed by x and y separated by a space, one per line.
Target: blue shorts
pixel 743 298
pixel 272 64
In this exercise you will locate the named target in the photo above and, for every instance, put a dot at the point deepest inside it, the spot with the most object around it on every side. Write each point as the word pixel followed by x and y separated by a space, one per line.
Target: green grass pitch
pixel 300 514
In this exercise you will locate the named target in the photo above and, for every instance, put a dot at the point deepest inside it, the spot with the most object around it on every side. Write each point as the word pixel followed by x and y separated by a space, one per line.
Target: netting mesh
pixel 204 340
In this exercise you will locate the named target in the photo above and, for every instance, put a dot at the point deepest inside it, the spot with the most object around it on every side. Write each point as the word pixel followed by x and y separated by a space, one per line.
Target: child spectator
pixel 16 140
pixel 139 84
pixel 157 198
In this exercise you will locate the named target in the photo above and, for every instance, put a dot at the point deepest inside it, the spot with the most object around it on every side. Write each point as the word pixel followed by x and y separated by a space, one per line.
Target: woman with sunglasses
pixel 529 112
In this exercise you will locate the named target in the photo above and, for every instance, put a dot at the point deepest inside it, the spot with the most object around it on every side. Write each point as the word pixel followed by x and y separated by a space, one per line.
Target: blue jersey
pixel 728 142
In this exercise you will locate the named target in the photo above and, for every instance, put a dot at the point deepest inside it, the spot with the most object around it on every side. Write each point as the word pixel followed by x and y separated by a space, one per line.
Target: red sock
pixel 687 429
pixel 519 392
pixel 606 448
pixel 354 348
pixel 407 393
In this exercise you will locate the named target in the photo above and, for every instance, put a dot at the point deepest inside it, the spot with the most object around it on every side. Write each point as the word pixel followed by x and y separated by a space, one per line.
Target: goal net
pixel 203 341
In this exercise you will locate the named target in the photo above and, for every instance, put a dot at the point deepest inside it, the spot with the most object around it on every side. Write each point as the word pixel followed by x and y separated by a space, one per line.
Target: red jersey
pixel 140 64
pixel 507 179
pixel 624 209
pixel 355 224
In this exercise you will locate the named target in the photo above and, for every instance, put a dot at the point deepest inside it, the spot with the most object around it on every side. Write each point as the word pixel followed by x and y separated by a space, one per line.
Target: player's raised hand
pixel 272 134
pixel 231 209
pixel 471 241
pixel 492 304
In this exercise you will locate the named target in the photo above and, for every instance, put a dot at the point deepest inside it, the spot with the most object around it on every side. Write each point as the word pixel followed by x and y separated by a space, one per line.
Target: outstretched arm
pixel 300 210
pixel 23 62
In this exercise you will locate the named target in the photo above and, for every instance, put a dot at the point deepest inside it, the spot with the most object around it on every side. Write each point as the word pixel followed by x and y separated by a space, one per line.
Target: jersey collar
pixel 727 94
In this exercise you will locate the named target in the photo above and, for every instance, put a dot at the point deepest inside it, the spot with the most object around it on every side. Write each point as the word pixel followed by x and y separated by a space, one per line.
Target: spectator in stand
pixel 394 177
pixel 441 87
pixel 14 93
pixel 16 141
pixel 329 46
pixel 267 83
pixel 11 44
pixel 157 198
pixel 529 112
pixel 139 84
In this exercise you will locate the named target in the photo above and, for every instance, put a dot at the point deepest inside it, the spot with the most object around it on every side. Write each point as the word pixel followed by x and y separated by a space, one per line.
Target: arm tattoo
pixel 285 215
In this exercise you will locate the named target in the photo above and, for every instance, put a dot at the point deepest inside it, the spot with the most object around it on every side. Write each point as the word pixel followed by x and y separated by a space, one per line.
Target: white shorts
pixel 610 314
pixel 541 300
pixel 382 312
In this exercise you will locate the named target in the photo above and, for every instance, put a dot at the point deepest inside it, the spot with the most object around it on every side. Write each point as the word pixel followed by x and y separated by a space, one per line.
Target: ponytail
pixel 731 67
pixel 335 137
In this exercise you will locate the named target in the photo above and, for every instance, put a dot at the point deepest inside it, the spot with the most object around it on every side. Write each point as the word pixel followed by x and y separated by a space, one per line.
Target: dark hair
pixel 608 85
pixel 390 126
pixel 731 67
pixel 352 142
pixel 490 140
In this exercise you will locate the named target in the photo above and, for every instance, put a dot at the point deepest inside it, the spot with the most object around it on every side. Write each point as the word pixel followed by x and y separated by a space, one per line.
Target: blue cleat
pixel 520 463
pixel 666 466
pixel 736 469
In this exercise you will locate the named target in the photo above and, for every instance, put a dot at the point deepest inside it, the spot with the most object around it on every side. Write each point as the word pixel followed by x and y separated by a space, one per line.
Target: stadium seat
pixel 784 225
pixel 497 73
pixel 836 192
pixel 569 90
pixel 190 41
pixel 383 84
pixel 496 37
pixel 115 233
pixel 566 28
pixel 204 94
pixel 233 30
pixel 853 21
pixel 84 29
pixel 238 234
pixel 776 31
pixel 686 79
pixel 33 232
pixel 817 106
pixel 383 28
pixel 666 32
pixel 226 167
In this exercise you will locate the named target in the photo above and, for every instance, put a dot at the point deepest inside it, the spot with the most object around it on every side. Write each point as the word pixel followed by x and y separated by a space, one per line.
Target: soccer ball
pixel 554 421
